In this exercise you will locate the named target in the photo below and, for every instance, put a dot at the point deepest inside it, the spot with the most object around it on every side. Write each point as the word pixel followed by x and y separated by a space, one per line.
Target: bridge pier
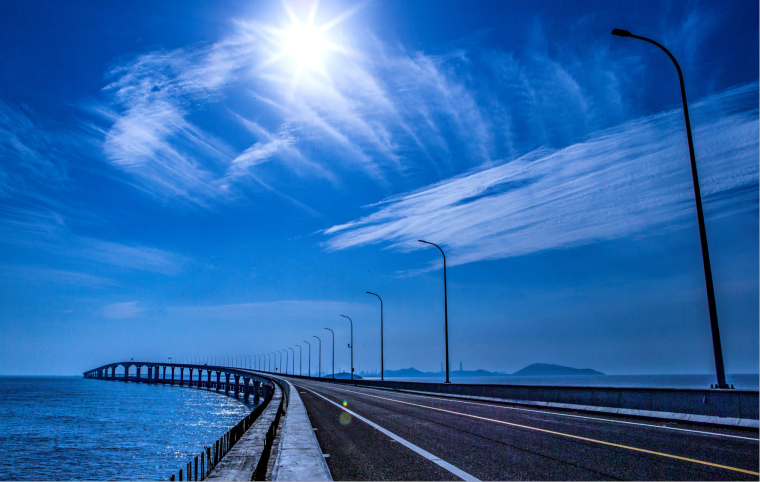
pixel 218 380
pixel 181 376
pixel 138 373
pixel 191 377
pixel 172 376
pixel 150 374
pixel 126 372
pixel 164 372
pixel 256 391
pixel 246 388
pixel 237 385
pixel 227 384
pixel 208 379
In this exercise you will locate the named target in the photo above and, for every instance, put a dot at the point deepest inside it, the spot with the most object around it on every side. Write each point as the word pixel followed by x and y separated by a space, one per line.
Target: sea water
pixel 69 428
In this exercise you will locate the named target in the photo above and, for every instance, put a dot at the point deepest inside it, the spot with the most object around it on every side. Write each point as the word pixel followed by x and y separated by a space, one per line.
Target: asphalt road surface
pixel 373 434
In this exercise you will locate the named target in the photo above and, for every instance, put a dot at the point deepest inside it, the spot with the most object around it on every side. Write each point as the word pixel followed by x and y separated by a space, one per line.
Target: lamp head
pixel 622 33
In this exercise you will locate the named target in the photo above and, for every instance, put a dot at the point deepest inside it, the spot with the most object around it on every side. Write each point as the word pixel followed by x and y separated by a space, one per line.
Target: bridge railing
pixel 199 467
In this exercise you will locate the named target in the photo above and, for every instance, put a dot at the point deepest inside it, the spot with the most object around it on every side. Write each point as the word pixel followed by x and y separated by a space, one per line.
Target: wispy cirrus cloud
pixel 48 231
pixel 625 180
pixel 376 108
pixel 30 158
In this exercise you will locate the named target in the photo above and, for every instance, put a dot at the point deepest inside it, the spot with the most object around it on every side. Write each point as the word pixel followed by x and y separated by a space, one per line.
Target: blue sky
pixel 223 179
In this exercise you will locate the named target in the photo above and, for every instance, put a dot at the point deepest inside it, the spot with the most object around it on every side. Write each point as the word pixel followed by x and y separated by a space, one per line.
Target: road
pixel 373 434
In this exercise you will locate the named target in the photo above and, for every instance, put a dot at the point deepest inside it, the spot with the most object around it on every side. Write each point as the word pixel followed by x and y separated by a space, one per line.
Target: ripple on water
pixel 67 428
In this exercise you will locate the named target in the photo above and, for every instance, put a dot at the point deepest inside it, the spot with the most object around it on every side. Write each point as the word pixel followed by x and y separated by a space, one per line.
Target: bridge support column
pixel 208 379
pixel 237 385
pixel 138 373
pixel 181 375
pixel 150 374
pixel 126 372
pixel 164 372
pixel 227 384
pixel 246 388
pixel 172 375
pixel 218 380
pixel 191 377
pixel 256 391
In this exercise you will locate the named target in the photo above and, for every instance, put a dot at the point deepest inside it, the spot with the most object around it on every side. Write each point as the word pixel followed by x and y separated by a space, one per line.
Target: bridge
pixel 372 430
pixel 226 379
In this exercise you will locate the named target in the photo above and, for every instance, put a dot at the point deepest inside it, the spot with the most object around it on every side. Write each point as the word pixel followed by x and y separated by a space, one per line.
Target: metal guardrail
pixel 199 467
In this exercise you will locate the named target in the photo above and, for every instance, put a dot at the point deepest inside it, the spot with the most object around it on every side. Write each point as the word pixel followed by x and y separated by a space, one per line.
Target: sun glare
pixel 305 44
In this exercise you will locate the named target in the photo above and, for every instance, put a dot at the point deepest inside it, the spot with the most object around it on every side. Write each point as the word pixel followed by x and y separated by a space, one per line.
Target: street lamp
pixel 300 361
pixel 351 345
pixel 286 361
pixel 309 356
pixel 333 352
pixel 381 332
pixel 293 368
pixel 717 350
pixel 319 373
pixel 445 308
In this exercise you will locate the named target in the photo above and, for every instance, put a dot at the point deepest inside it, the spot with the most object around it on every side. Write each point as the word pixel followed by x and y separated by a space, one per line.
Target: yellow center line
pixel 577 437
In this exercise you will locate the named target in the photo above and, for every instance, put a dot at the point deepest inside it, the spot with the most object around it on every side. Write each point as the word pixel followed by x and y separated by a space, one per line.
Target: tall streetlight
pixel 717 350
pixel 293 367
pixel 319 373
pixel 300 361
pixel 278 351
pixel 381 332
pixel 286 360
pixel 445 308
pixel 333 352
pixel 351 345
pixel 309 356
pixel 267 362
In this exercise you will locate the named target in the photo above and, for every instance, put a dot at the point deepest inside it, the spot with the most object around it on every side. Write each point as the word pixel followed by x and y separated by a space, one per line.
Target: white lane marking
pixel 441 463
pixel 547 412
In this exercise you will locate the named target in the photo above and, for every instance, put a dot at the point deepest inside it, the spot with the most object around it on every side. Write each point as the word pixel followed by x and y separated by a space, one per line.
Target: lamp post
pixel 445 308
pixel 293 368
pixel 300 361
pixel 319 372
pixel 381 333
pixel 713 310
pixel 286 360
pixel 309 356
pixel 333 352
pixel 278 351
pixel 351 345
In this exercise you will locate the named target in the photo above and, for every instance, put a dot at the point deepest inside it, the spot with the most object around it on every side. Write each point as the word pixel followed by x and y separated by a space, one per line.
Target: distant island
pixel 534 370
pixel 548 370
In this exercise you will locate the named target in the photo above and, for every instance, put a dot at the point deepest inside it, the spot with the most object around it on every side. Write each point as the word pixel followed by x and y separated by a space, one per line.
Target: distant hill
pixel 413 372
pixel 547 370
pixel 344 376
pixel 534 370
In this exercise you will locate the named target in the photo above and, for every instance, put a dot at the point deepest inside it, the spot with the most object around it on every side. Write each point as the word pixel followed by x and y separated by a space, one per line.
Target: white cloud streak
pixel 622 181
pixel 379 110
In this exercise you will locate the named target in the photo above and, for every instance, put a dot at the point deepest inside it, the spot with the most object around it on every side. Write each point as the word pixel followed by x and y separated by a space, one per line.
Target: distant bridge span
pixel 225 379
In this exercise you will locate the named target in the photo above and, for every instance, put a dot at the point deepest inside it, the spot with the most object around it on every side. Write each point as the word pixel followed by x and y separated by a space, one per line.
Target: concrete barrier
pixel 299 456
pixel 722 407
pixel 241 462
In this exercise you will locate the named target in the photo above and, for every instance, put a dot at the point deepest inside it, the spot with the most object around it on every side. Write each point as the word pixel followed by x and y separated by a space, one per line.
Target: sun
pixel 305 45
